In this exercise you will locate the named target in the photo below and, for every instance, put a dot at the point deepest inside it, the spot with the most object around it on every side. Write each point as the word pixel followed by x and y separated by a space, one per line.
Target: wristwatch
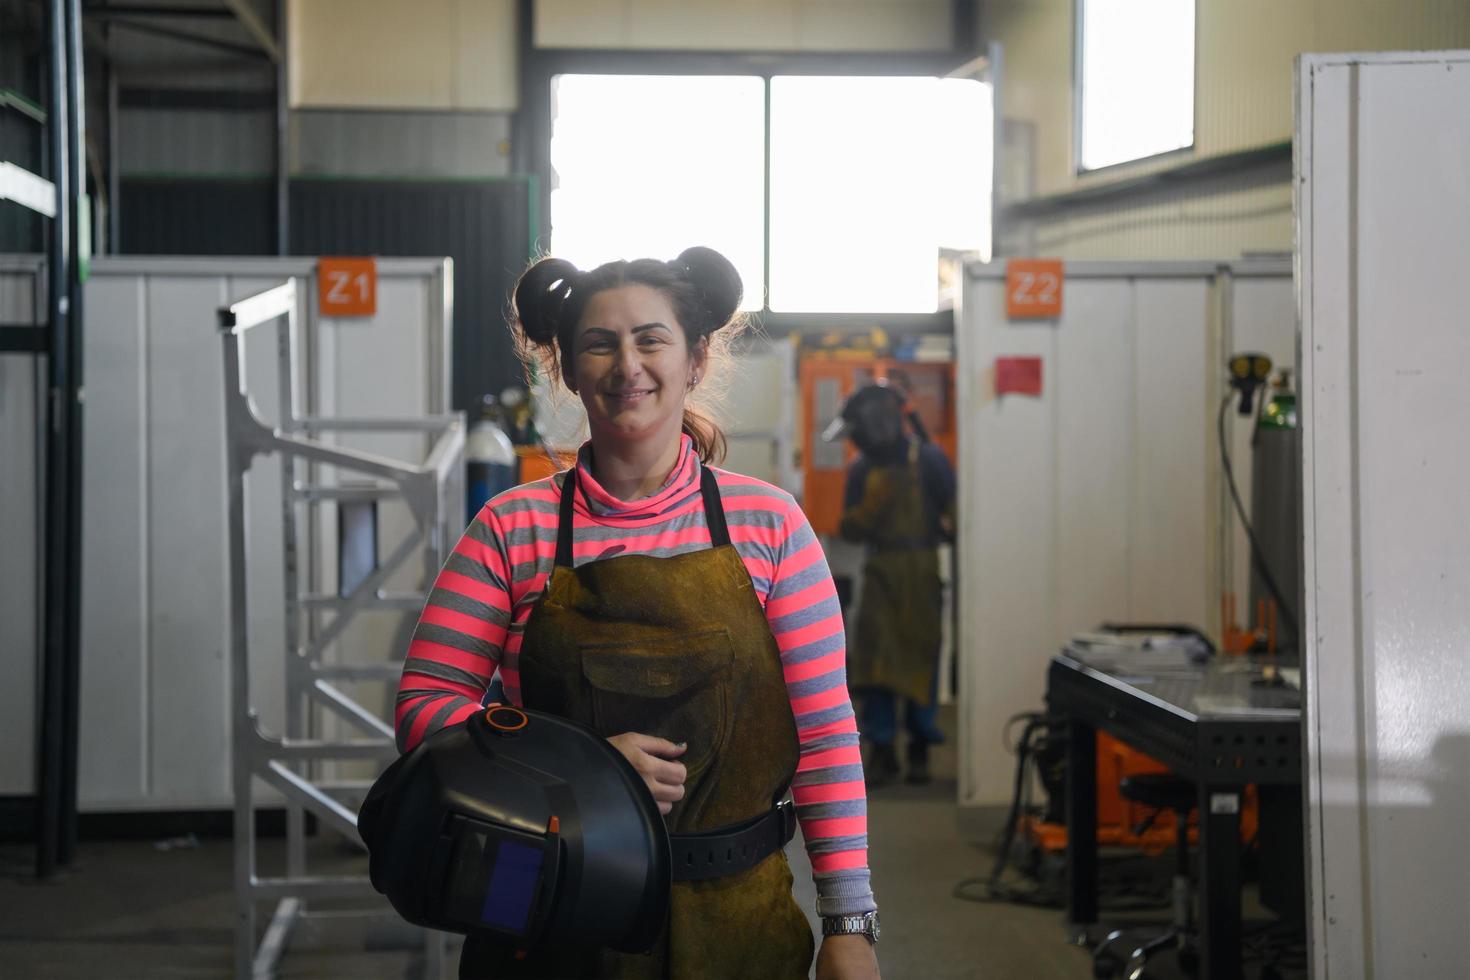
pixel 851 925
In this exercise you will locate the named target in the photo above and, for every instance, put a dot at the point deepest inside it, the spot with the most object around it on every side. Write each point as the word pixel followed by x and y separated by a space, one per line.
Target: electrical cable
pixel 1116 896
pixel 1258 558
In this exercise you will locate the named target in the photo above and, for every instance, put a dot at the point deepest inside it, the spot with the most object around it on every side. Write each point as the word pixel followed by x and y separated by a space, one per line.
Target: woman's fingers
pixel 654 745
pixel 652 757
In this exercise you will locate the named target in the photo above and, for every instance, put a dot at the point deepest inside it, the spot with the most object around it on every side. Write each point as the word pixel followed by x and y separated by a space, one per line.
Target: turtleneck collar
pixel 596 502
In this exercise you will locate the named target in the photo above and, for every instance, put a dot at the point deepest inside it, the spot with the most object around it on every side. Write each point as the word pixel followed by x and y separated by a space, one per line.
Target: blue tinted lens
pixel 512 886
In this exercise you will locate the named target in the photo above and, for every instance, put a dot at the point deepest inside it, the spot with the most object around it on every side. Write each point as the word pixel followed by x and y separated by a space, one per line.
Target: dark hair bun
pixel 540 295
pixel 715 277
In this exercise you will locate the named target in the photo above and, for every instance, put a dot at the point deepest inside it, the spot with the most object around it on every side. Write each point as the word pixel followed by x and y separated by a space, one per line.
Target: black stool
pixel 1163 791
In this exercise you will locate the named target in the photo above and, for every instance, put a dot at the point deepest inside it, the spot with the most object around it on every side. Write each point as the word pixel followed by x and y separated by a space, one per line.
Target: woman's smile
pixel 633 366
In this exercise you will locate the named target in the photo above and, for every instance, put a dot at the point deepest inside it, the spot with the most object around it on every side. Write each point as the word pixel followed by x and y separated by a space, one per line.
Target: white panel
pixel 154 679
pixel 1384 230
pixel 116 643
pixel 1093 383
pixel 1092 503
pixel 1168 539
pixel 1007 536
pixel 757 410
pixel 21 458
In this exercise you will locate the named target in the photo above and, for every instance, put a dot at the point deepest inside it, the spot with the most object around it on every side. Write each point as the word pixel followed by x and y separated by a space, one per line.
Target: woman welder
pixel 699 633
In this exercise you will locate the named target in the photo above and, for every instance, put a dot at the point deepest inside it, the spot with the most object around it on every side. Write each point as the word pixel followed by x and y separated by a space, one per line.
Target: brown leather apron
pixel 895 640
pixel 680 648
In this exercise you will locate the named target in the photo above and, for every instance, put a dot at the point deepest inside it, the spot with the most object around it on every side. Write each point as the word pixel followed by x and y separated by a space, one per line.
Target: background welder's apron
pixel 679 648
pixel 895 640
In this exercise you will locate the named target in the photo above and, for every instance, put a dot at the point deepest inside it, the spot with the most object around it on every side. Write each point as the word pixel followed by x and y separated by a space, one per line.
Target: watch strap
pixel 863 924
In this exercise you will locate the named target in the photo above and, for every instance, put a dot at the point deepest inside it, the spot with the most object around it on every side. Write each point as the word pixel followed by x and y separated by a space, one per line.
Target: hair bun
pixel 539 297
pixel 715 277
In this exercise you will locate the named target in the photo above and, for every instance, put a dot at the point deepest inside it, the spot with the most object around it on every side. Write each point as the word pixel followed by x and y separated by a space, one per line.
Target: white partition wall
pixel 1383 231
pixel 22 457
pixel 154 698
pixel 1101 499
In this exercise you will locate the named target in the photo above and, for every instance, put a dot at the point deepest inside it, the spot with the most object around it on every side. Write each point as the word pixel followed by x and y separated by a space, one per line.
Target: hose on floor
pixel 1115 891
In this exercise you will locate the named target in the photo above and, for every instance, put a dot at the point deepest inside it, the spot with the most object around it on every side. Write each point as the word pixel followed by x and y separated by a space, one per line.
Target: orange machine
pixel 536 465
pixel 1117 818
pixel 827 378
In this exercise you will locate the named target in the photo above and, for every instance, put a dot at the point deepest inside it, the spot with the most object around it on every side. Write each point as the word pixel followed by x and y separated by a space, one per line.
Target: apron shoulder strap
pixel 709 489
pixel 714 510
pixel 564 522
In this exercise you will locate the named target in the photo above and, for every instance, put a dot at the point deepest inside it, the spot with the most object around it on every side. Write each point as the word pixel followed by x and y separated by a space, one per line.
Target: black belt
pixel 727 850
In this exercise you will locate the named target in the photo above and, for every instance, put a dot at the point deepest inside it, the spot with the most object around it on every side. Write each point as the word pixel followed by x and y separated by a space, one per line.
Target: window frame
pixel 534 132
pixel 1078 170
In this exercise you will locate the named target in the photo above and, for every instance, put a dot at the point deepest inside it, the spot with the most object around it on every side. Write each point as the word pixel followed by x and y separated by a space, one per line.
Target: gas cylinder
pixel 1276 502
pixel 490 459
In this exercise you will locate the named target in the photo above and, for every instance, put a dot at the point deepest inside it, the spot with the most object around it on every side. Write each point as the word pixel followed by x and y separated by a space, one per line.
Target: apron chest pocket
pixel 674 687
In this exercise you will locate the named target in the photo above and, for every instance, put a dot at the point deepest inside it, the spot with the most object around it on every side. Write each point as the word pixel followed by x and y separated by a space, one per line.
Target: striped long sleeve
pixel 473 623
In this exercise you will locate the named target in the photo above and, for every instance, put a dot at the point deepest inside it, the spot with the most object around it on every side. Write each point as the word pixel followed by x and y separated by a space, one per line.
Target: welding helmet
pixel 872 417
pixel 523 825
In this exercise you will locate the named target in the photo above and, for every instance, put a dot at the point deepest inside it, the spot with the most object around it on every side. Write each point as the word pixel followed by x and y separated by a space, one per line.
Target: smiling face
pixel 632 366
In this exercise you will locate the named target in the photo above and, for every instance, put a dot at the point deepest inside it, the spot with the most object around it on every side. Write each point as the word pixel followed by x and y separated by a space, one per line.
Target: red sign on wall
pixel 1018 376
pixel 1033 289
pixel 347 287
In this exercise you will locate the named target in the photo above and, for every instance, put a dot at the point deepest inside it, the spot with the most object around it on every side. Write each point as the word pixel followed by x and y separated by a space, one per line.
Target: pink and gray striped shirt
pixel 473 623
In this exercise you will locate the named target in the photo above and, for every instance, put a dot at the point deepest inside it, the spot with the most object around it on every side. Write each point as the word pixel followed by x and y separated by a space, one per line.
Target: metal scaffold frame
pixel 290 762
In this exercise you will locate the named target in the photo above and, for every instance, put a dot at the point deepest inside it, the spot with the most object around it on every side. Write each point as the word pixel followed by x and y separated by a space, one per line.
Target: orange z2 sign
pixel 1033 288
pixel 347 287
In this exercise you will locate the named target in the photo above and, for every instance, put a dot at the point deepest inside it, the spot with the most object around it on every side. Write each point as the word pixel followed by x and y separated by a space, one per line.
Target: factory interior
pixel 1076 389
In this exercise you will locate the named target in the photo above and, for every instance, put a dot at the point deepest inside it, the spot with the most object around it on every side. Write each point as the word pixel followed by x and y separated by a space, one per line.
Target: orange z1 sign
pixel 347 287
pixel 1033 289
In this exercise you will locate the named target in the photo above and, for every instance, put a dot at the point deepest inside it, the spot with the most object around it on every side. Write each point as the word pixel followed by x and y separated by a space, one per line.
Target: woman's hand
pixel 847 958
pixel 653 758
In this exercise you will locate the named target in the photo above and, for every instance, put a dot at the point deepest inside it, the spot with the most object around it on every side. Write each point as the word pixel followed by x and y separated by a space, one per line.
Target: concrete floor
pixel 133 909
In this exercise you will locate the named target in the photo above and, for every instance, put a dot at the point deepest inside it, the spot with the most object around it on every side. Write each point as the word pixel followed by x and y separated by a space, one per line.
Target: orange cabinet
pixel 826 381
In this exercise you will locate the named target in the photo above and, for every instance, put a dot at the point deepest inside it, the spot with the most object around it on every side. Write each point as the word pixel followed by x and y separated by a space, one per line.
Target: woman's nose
pixel 628 364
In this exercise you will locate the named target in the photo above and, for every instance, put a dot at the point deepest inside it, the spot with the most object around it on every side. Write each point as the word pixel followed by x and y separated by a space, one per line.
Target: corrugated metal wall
pixel 771 25
pixel 198 216
pixel 1223 218
pixel 352 143
pixel 235 142
pixel 483 225
pixel 20 136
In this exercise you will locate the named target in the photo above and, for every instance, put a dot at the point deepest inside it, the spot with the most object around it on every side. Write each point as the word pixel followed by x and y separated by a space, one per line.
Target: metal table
pixel 1215 724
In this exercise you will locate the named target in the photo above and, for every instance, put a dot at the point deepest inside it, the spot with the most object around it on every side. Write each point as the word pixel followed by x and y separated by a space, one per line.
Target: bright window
pixel 1137 79
pixel 869 178
pixel 647 165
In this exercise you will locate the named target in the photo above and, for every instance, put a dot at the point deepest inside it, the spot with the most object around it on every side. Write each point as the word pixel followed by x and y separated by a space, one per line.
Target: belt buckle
pixel 788 821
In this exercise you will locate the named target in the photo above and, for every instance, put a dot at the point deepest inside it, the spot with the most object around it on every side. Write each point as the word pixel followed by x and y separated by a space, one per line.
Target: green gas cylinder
pixel 1276 504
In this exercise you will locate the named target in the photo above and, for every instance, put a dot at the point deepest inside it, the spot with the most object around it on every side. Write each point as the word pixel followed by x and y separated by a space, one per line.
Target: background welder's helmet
pixel 872 417
pixel 523 825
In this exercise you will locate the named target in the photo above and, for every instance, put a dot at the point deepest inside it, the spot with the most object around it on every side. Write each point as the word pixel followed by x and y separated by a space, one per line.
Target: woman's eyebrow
pixel 652 326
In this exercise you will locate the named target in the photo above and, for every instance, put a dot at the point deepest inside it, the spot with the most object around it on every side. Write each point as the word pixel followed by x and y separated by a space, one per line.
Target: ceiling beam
pixel 252 23
pixel 156 10
pixel 158 30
